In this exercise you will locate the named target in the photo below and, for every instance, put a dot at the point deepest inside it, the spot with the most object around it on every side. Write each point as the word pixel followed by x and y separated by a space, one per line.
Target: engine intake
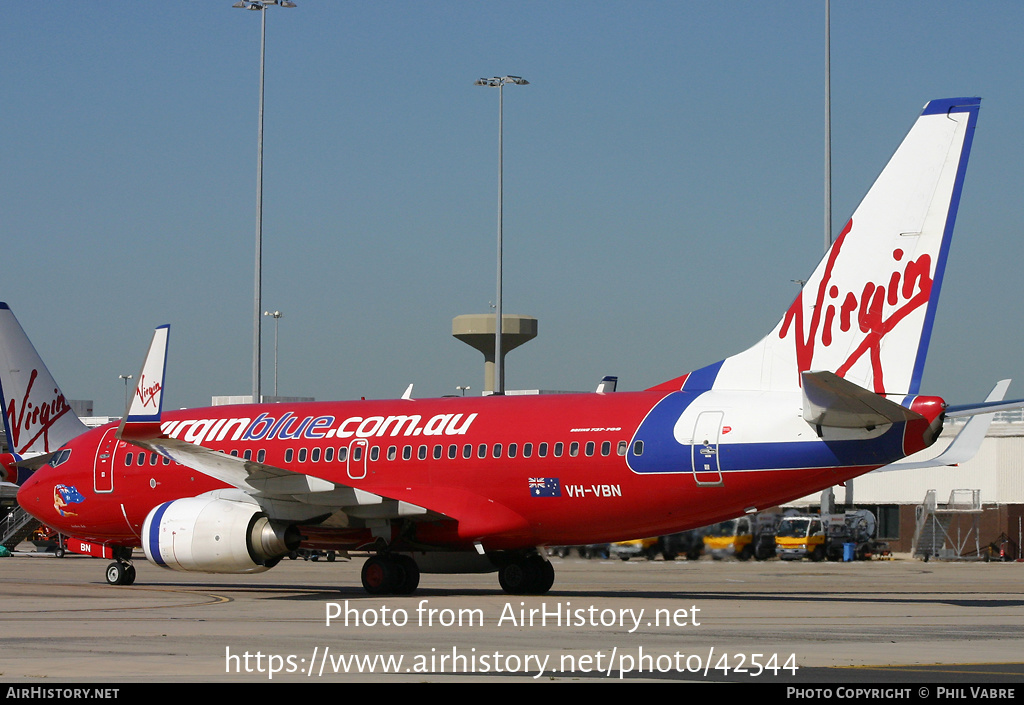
pixel 215 535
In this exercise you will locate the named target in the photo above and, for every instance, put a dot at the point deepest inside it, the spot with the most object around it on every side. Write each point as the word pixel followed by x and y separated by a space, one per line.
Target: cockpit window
pixel 60 457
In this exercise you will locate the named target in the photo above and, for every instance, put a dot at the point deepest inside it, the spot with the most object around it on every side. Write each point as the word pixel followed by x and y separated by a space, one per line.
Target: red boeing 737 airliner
pixel 478 484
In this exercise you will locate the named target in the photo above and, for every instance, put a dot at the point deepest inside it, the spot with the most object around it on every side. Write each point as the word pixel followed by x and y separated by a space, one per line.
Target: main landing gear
pixel 388 574
pixel 529 574
pixel 518 573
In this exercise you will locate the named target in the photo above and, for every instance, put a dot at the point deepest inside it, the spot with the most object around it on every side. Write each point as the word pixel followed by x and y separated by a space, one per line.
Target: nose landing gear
pixel 120 573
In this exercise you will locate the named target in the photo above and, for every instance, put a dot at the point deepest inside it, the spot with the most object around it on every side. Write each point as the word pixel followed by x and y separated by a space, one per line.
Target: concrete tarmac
pixel 898 621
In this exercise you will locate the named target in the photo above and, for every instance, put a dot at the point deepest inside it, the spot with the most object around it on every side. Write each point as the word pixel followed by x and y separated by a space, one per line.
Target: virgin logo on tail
pixel 33 417
pixel 907 290
pixel 147 395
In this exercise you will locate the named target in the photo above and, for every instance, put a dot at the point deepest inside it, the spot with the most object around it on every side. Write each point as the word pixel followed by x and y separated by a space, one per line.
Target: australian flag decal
pixel 545 487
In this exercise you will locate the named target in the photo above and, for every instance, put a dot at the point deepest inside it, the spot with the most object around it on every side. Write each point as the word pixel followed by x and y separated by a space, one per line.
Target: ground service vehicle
pixel 635 548
pixel 744 538
pixel 800 536
pixel 851 536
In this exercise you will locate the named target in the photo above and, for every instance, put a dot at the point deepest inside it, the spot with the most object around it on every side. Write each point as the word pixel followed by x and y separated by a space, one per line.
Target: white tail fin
pixel 866 313
pixel 37 417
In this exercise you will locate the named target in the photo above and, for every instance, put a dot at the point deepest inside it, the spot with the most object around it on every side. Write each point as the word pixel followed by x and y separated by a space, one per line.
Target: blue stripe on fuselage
pixel 662 453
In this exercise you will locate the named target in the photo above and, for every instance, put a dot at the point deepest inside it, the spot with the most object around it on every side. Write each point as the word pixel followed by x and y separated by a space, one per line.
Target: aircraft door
pixel 103 464
pixel 357 451
pixel 707 470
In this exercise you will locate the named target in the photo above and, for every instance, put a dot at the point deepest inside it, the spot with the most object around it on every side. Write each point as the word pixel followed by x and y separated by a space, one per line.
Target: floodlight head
pixel 501 81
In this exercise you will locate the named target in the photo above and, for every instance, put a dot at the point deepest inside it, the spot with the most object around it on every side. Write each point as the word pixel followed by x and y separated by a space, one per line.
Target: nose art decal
pixel 63 496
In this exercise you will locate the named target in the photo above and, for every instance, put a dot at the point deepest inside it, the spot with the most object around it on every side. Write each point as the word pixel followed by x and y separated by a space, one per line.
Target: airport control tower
pixel 477 330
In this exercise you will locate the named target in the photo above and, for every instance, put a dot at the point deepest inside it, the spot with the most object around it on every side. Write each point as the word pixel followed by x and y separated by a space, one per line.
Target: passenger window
pixel 152 458
pixel 574 449
pixel 248 454
pixel 374 453
pixel 621 450
pixel 467 451
pixel 328 455
pixel 357 453
pixel 302 455
pixel 481 451
pixel 407 453
pixel 392 452
pixel 542 450
pixel 437 452
pixel 315 455
pixel 589 448
pixel 638 448
pixel 342 454
pixel 496 451
pixel 606 448
pixel 512 450
pixel 422 453
pixel 261 455
pixel 127 459
pixel 558 450
pixel 453 452
pixel 288 455
pixel 142 459
pixel 527 450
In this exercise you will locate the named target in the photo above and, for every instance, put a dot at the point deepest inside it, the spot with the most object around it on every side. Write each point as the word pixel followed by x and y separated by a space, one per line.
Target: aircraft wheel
pixel 119 573
pixel 531 575
pixel 411 575
pixel 380 575
pixel 545 577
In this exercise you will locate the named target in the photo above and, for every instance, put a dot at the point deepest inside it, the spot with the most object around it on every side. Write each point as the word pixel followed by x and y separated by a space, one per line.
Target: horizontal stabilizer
pixel 830 400
pixel 966 444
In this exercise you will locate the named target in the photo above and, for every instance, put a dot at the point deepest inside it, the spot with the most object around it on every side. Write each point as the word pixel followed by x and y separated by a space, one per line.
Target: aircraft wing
pixel 283 493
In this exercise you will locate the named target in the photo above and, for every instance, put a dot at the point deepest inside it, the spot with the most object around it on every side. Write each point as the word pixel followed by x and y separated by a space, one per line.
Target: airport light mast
pixel 276 315
pixel 259 6
pixel 499 81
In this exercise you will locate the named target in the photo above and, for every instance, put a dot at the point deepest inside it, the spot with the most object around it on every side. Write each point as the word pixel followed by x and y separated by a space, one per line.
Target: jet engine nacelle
pixel 9 467
pixel 215 535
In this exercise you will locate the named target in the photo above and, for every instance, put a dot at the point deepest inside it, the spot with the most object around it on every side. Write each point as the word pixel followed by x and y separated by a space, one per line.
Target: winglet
pixel 142 417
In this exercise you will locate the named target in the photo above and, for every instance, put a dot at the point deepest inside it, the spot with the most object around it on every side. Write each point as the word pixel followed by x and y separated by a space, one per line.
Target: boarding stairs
pixel 16 527
pixel 945 531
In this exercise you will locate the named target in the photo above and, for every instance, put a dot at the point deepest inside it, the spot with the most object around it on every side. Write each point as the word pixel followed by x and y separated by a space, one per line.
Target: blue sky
pixel 663 184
